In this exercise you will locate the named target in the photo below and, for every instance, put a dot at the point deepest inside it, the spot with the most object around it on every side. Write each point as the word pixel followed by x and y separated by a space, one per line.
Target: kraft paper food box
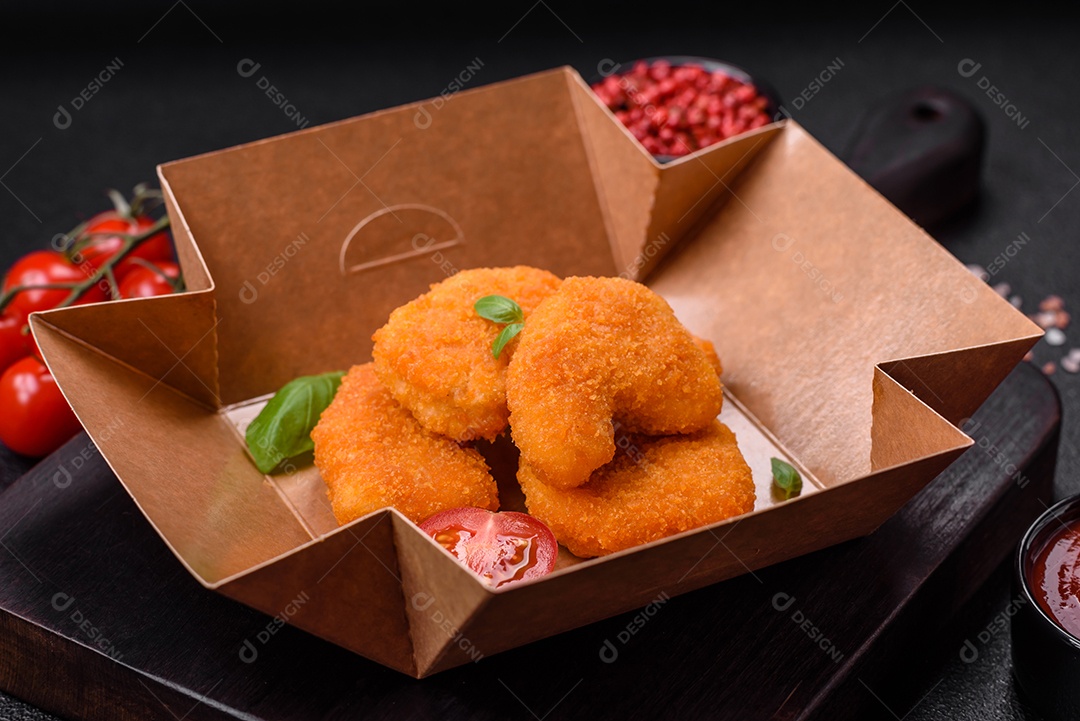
pixel 852 345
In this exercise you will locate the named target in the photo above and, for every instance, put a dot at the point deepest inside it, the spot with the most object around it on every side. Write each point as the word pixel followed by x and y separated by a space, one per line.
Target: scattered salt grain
pixel 1048 368
pixel 1029 356
pixel 1016 301
pixel 1055 336
pixel 1045 319
pixel 1070 364
pixel 1052 302
pixel 979 272
pixel 1003 289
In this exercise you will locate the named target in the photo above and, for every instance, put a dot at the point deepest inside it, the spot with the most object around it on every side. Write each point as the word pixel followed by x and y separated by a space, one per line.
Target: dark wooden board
pixel 78 563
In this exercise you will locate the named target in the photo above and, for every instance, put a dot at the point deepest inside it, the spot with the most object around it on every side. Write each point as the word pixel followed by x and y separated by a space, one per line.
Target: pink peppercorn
pixel 677 110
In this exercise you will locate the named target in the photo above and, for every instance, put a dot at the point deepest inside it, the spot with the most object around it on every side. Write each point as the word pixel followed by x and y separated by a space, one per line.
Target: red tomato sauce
pixel 1055 578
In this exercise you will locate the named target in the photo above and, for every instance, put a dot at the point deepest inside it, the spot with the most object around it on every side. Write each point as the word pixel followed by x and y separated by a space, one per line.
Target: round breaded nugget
pixel 604 349
pixel 709 350
pixel 655 487
pixel 434 354
pixel 372 453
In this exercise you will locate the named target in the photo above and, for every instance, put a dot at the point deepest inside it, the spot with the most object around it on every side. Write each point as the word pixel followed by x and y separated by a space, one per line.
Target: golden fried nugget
pixel 709 350
pixel 603 349
pixel 434 354
pixel 372 453
pixel 655 487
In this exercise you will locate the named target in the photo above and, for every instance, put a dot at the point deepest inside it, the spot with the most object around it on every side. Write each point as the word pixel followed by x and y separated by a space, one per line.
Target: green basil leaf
pixel 786 479
pixel 499 309
pixel 504 337
pixel 282 430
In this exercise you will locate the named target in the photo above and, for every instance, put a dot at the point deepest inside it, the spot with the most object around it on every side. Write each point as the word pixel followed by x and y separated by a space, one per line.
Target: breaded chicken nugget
pixel 372 453
pixel 709 350
pixel 655 487
pixel 603 349
pixel 434 354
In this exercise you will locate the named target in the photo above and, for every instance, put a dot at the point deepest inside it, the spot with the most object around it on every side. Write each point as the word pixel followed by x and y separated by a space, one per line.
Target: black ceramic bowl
pixel 711 64
pixel 1046 657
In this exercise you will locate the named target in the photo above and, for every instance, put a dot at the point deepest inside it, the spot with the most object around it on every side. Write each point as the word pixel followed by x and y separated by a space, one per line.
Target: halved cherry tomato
pixel 42 267
pixel 143 282
pixel 500 547
pixel 36 420
pixel 13 344
pixel 101 248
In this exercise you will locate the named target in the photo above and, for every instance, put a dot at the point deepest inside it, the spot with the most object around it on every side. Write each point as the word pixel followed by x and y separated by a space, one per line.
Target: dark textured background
pixel 178 93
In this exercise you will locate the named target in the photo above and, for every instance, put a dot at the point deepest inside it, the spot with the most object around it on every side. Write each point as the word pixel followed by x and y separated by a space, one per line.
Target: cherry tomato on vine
pixel 36 420
pixel 13 345
pixel 500 547
pixel 31 344
pixel 101 248
pixel 42 267
pixel 143 282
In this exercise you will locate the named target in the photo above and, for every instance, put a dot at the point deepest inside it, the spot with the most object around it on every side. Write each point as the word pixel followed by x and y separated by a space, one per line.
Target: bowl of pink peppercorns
pixel 677 105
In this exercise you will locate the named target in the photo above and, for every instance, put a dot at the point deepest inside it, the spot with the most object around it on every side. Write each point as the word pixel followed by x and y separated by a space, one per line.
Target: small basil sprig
pixel 282 430
pixel 499 309
pixel 786 480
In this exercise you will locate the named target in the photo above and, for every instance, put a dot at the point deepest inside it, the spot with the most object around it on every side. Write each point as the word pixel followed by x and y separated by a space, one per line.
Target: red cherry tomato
pixel 143 282
pixel 103 247
pixel 35 419
pixel 13 344
pixel 43 267
pixel 501 547
pixel 31 344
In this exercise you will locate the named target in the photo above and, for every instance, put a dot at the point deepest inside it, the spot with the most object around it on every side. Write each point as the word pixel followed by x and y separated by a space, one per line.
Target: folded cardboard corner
pixel 847 333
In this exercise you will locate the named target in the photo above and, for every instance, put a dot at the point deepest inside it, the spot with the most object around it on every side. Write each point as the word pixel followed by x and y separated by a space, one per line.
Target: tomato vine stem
pixel 105 272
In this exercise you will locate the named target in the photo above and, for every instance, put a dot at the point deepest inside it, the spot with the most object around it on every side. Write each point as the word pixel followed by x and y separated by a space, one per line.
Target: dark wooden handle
pixel 922 150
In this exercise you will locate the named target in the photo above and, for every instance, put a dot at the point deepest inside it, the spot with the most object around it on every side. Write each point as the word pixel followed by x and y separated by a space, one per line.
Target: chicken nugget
pixel 709 350
pixel 372 453
pixel 434 354
pixel 603 349
pixel 655 487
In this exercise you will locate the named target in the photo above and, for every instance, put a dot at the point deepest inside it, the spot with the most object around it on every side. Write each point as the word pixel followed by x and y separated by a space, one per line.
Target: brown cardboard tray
pixel 853 343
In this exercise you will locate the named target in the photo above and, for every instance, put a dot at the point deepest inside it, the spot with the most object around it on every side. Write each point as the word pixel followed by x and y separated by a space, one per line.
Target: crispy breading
pixel 434 353
pixel 709 350
pixel 603 349
pixel 372 453
pixel 655 487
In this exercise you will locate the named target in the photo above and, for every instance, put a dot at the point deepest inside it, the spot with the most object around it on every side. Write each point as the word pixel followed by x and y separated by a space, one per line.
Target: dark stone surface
pixel 94 606
pixel 178 93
